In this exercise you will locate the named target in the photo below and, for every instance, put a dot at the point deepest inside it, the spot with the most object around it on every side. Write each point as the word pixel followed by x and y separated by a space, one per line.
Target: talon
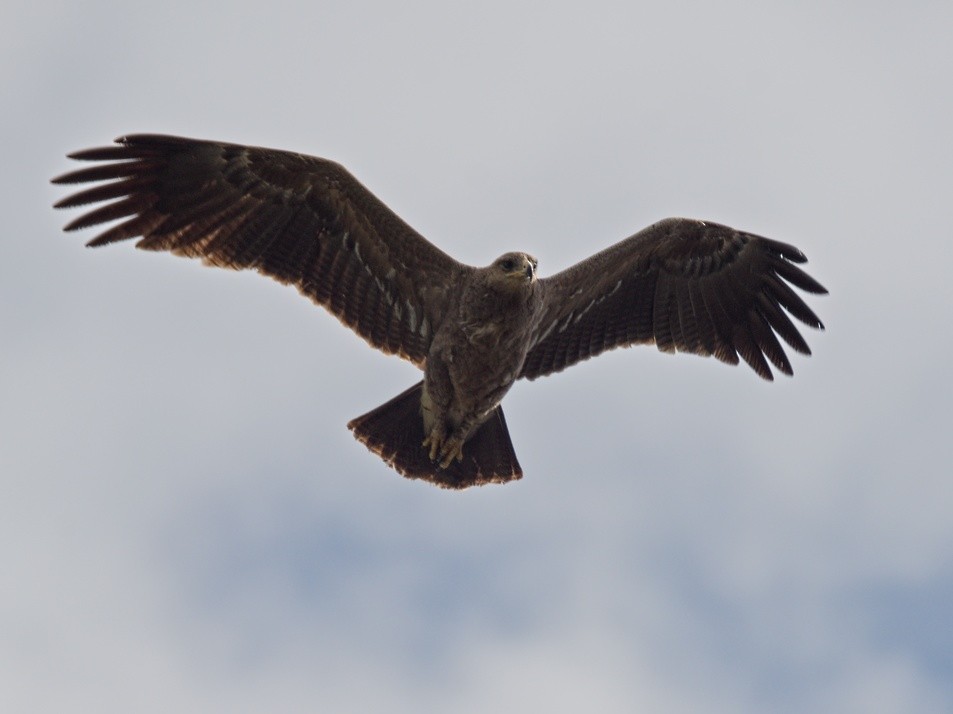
pixel 435 441
pixel 434 447
pixel 452 449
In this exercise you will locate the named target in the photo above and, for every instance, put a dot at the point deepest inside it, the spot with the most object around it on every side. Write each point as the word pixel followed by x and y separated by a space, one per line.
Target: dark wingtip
pixel 153 140
pixel 77 223
pixel 785 250
pixel 101 240
pixel 99 153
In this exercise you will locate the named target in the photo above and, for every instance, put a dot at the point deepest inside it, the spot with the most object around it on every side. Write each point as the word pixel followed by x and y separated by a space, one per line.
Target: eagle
pixel 686 285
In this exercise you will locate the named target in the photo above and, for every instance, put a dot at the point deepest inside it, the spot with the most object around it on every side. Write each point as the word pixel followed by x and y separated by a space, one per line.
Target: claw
pixel 452 449
pixel 436 441
pixel 443 450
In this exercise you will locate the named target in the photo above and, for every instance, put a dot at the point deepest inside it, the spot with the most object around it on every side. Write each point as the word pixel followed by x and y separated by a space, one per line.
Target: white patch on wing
pixel 381 284
pixel 573 318
pixel 383 289
pixel 545 334
pixel 584 311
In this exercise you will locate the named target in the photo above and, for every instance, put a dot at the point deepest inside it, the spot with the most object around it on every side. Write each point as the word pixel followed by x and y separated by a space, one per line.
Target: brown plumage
pixel 686 285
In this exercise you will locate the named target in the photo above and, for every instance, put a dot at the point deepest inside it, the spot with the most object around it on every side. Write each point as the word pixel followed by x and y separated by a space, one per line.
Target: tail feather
pixel 395 432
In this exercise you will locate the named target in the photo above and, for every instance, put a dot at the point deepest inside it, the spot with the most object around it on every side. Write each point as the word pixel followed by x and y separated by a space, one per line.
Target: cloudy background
pixel 187 525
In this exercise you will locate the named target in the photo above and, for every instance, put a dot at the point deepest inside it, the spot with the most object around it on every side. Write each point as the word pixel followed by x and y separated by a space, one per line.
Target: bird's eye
pixel 508 265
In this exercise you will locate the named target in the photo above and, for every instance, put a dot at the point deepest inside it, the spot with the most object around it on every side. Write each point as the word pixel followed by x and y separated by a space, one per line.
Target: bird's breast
pixel 483 333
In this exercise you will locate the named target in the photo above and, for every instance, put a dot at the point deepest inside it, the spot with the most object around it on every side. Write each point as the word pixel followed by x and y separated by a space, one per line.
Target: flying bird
pixel 686 285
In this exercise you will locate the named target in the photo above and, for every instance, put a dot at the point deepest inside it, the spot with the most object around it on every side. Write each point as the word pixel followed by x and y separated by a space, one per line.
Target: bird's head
pixel 518 267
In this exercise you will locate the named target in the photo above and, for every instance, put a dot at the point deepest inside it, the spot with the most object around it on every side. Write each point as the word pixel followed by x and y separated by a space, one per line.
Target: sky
pixel 187 525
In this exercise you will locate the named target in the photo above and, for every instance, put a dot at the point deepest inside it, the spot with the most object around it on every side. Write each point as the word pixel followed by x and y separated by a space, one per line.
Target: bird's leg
pixel 444 449
pixel 434 405
pixel 452 449
pixel 453 445
pixel 436 439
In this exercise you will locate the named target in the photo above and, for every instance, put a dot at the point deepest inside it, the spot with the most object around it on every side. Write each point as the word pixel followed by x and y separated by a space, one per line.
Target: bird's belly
pixel 481 359
pixel 481 378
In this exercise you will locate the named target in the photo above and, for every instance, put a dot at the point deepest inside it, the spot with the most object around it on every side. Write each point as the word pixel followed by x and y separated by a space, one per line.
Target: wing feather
pixel 299 219
pixel 662 313
pixel 687 286
pixel 720 323
pixel 702 318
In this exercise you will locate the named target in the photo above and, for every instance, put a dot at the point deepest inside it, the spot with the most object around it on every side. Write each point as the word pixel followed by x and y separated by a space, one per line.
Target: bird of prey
pixel 686 285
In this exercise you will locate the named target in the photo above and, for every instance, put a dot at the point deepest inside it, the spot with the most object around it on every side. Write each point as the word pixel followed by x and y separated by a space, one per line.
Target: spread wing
pixel 299 219
pixel 688 286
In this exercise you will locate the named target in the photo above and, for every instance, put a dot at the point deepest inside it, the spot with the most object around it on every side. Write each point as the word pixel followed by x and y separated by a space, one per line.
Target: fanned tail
pixel 395 432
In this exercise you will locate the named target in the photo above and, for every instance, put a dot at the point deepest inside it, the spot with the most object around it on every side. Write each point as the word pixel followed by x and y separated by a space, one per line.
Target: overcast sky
pixel 187 525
